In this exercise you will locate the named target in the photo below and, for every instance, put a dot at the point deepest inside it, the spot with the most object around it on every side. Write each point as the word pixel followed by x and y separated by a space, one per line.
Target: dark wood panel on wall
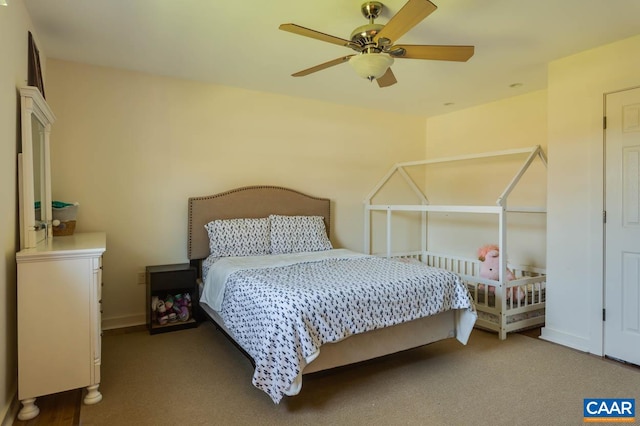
pixel 34 72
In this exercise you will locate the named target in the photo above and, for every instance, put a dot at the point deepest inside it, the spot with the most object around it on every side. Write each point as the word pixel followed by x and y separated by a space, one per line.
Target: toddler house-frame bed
pixel 326 308
pixel 497 310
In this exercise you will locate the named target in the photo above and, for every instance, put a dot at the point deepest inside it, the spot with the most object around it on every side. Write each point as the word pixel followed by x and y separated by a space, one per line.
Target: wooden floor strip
pixel 58 409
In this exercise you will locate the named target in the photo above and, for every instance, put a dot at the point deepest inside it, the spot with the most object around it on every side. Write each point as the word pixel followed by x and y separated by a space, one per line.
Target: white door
pixel 622 230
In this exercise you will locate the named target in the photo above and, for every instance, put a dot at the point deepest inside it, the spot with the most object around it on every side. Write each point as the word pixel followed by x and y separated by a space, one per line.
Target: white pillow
pixel 295 234
pixel 238 237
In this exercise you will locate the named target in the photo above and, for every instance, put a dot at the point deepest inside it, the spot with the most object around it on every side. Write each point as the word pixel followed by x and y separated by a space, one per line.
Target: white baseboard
pixel 123 322
pixel 12 410
pixel 565 339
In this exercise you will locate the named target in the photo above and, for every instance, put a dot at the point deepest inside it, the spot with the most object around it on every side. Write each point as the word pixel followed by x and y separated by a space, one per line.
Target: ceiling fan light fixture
pixel 371 65
pixel 374 43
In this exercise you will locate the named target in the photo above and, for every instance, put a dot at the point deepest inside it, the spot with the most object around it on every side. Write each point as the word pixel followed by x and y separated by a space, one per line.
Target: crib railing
pixel 509 306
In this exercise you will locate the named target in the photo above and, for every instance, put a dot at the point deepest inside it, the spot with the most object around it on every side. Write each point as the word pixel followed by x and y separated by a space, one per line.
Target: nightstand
pixel 176 286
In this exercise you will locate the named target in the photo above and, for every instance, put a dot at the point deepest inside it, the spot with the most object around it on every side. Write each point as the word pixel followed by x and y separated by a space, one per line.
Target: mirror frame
pixel 34 106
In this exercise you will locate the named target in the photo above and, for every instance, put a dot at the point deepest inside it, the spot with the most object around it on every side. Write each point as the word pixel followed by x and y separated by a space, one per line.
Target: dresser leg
pixel 93 395
pixel 29 409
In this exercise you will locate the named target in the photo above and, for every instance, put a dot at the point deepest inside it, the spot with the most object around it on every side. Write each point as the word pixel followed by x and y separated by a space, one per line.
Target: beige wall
pixel 14 26
pixel 517 122
pixel 573 119
pixel 576 88
pixel 131 148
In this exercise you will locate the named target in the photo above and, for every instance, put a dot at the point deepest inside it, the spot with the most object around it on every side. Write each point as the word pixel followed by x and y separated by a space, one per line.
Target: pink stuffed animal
pixel 489 269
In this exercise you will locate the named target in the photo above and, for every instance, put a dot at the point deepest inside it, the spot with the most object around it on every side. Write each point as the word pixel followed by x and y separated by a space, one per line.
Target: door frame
pixel 604 207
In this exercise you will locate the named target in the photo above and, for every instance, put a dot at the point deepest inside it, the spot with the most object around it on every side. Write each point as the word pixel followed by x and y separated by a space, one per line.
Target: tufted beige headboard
pixel 248 202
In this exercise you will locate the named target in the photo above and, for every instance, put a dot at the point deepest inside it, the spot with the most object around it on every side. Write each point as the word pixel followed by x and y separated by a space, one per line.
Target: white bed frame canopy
pixel 500 209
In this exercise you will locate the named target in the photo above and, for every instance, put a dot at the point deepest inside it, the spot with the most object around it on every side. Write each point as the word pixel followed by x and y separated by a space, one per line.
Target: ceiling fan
pixel 374 43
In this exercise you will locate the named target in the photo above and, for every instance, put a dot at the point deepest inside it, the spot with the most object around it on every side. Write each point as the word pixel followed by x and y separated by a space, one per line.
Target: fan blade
pixel 297 29
pixel 437 53
pixel 408 17
pixel 322 66
pixel 388 79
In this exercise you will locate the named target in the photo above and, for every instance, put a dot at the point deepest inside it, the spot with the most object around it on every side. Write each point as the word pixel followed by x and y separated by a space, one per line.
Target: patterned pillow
pixel 295 234
pixel 238 237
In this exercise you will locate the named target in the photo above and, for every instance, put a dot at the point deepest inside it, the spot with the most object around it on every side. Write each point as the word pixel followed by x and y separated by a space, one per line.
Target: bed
pixel 497 311
pixel 244 289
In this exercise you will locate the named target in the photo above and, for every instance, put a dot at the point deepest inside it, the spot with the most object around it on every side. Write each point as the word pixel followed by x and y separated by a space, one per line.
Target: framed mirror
pixel 34 168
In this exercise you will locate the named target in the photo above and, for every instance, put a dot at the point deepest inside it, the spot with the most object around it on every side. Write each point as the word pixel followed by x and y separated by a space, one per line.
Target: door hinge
pixel 604 216
pixel 604 314
pixel 604 122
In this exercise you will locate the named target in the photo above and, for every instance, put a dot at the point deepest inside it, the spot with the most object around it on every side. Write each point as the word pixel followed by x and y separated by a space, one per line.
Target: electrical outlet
pixel 142 278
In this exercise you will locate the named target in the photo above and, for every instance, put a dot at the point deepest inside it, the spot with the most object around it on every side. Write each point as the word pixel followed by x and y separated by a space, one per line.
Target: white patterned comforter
pixel 282 308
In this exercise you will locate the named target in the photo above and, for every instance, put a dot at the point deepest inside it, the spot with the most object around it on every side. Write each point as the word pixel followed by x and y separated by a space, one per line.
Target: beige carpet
pixel 196 377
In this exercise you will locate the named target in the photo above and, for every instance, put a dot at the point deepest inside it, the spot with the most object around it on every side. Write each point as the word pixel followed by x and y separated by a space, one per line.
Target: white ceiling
pixel 238 43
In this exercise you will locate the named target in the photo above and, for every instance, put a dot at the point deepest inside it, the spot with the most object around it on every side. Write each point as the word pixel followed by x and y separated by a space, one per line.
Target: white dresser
pixel 59 315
